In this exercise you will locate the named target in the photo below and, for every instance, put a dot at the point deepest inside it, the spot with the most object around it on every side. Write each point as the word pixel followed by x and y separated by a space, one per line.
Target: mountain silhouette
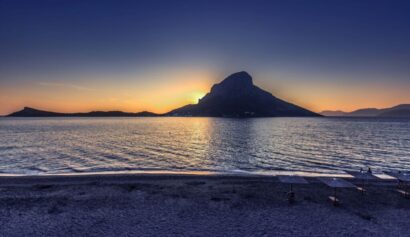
pixel 30 112
pixel 398 111
pixel 237 96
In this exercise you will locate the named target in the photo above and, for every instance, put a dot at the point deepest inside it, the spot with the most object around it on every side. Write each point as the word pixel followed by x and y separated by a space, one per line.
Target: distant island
pixel 399 111
pixel 235 96
pixel 30 112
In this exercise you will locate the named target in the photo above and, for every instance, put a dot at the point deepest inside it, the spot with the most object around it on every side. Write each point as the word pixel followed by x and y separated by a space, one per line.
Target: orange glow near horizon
pixel 152 95
pixel 180 88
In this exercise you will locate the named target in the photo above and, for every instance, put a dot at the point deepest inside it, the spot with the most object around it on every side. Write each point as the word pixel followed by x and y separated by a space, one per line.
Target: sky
pixel 156 55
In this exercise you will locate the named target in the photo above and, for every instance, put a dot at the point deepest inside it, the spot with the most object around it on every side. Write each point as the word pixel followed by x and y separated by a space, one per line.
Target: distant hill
pixel 398 111
pixel 237 96
pixel 333 113
pixel 30 112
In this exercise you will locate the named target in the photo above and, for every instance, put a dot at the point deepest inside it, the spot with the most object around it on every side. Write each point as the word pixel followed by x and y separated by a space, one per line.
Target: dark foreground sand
pixel 193 205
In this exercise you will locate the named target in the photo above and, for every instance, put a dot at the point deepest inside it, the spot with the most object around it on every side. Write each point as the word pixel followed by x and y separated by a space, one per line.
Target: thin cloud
pixel 64 85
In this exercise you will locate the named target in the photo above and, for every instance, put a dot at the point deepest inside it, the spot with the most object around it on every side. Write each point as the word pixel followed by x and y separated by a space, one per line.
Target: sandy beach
pixel 194 205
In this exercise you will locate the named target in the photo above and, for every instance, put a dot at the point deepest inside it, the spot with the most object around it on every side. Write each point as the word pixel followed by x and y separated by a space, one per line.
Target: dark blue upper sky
pixel 353 41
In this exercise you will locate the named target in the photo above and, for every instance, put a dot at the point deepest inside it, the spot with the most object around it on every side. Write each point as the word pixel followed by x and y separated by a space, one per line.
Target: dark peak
pixel 29 109
pixel 32 110
pixel 240 78
pixel 237 82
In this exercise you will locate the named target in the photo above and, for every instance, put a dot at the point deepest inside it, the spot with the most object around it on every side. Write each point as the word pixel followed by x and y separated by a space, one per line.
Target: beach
pixel 197 204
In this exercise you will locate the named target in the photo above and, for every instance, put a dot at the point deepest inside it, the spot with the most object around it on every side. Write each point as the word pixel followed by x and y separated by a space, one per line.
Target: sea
pixel 322 145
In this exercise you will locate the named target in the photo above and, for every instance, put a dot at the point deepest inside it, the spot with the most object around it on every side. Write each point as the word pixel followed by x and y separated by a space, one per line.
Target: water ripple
pixel 58 145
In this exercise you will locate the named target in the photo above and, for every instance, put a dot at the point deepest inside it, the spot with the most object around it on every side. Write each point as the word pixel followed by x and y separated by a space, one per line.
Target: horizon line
pixel 161 114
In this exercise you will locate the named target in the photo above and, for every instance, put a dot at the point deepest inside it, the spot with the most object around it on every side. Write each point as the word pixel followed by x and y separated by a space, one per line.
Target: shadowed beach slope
pixel 237 96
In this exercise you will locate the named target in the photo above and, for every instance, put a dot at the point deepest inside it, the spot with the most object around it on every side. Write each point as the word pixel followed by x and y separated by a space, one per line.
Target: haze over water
pixel 61 145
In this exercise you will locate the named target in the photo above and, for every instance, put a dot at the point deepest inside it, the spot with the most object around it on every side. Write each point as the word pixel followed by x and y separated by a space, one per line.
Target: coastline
pixel 166 174
pixel 268 174
pixel 194 204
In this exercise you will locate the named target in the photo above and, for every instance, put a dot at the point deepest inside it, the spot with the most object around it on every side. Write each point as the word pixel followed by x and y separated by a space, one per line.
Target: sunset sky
pixel 76 56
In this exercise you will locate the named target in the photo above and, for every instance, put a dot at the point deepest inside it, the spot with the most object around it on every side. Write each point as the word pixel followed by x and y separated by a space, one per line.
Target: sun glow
pixel 158 91
pixel 196 96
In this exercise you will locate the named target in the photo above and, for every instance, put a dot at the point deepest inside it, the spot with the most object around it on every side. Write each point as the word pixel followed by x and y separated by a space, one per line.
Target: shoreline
pixel 164 176
pixel 198 173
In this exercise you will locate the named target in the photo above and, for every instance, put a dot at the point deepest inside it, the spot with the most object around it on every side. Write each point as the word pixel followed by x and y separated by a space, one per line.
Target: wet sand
pixel 194 205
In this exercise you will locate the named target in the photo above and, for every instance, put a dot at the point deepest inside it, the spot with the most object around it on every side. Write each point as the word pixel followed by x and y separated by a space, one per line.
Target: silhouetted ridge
pixel 399 111
pixel 237 82
pixel 30 112
pixel 237 96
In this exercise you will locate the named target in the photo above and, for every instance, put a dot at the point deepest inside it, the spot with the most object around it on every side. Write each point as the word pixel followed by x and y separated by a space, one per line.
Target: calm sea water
pixel 59 145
